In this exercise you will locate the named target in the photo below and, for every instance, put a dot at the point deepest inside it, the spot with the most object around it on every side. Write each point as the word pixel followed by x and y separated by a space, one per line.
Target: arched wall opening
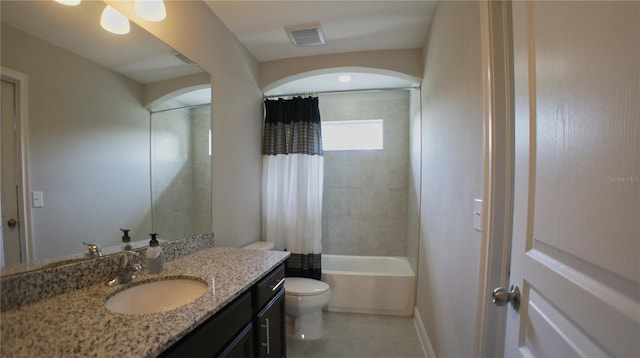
pixel 333 79
pixel 371 198
pixel 159 93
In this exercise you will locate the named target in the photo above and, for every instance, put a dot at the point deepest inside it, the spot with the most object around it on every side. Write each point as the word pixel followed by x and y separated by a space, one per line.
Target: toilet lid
pixel 304 286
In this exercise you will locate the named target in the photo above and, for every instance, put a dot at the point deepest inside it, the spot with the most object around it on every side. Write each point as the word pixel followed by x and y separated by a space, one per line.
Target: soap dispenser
pixel 155 259
pixel 126 241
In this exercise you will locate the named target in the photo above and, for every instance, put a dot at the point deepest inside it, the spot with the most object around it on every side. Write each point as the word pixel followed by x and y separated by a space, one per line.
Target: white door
pixel 9 199
pixel 576 229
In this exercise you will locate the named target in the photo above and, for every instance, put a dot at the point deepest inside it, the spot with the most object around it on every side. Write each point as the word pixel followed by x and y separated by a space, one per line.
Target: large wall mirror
pixel 107 144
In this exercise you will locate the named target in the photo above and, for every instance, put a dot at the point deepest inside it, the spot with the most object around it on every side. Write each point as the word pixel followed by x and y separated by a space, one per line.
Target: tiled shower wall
pixel 365 198
pixel 200 126
pixel 171 173
pixel 181 172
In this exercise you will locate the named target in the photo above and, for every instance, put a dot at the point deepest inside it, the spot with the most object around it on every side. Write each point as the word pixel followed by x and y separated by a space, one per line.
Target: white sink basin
pixel 156 296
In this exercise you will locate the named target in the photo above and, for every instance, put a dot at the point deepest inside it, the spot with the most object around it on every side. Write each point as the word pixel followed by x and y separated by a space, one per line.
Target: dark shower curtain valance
pixel 292 126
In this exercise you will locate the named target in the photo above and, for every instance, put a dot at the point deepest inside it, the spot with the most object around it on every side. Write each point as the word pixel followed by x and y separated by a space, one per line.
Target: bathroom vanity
pixel 251 326
pixel 241 314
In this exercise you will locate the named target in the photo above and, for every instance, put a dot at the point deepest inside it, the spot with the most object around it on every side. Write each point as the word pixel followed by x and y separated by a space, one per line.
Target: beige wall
pixel 452 142
pixel 195 31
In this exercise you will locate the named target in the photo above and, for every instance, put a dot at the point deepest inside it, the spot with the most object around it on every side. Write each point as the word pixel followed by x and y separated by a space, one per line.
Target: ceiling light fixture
pixel 68 2
pixel 150 10
pixel 114 22
pixel 344 78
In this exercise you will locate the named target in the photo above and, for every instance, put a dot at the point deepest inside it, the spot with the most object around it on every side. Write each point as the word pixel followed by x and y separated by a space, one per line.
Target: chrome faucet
pixel 94 249
pixel 126 270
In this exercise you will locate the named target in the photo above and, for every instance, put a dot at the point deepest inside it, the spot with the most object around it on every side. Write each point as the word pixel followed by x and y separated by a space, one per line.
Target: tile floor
pixel 361 336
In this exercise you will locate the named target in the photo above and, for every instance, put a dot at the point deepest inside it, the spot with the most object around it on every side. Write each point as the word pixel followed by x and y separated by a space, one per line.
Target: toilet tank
pixel 260 246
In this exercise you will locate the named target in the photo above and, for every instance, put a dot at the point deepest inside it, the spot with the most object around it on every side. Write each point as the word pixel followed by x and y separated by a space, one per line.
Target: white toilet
pixel 304 300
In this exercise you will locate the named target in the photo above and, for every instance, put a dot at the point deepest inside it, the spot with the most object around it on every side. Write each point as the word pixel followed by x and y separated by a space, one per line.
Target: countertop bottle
pixel 154 256
pixel 126 241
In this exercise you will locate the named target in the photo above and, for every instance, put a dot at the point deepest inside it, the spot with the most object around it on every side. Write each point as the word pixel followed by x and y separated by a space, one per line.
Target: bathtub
pixel 369 284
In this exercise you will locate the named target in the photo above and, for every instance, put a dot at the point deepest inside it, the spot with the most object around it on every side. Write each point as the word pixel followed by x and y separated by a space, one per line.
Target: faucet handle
pixel 126 273
pixel 94 249
pixel 126 255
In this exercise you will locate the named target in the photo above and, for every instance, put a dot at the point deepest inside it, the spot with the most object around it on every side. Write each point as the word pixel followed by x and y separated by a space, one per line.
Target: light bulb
pixel 68 2
pixel 113 21
pixel 150 10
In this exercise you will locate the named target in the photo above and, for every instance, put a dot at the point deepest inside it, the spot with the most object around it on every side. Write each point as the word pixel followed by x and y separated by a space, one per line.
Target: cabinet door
pixel 241 346
pixel 270 329
pixel 216 333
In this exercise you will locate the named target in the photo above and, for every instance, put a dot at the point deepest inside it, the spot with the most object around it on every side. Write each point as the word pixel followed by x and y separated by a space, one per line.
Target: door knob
pixel 501 296
pixel 12 222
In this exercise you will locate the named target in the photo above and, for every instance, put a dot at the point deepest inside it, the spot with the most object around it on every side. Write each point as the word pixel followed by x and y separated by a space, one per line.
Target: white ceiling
pixel 348 26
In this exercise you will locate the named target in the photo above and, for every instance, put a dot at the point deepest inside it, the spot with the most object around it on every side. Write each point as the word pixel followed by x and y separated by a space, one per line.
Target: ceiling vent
pixel 182 57
pixel 305 35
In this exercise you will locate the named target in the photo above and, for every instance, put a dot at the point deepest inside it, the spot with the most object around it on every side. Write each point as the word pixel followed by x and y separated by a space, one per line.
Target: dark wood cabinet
pixel 270 334
pixel 212 337
pixel 251 326
pixel 269 322
pixel 241 346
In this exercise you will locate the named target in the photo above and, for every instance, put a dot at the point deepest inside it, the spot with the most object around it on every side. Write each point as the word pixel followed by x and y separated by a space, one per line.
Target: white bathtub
pixel 369 284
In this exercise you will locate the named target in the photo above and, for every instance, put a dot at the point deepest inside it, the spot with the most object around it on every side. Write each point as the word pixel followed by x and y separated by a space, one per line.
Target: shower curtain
pixel 292 180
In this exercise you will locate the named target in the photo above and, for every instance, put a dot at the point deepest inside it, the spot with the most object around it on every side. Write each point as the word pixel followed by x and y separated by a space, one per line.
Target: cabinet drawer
pixel 266 288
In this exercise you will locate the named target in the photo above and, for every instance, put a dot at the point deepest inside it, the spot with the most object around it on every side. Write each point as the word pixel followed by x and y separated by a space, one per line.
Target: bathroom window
pixel 365 134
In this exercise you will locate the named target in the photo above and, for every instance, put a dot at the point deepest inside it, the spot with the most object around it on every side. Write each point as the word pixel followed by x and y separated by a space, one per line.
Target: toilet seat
pixel 299 286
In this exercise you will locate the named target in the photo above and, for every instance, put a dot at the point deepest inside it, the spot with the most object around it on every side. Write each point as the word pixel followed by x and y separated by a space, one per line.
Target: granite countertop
pixel 77 323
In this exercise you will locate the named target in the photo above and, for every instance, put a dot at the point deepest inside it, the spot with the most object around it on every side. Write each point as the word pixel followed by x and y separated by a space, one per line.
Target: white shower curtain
pixel 292 202
pixel 292 182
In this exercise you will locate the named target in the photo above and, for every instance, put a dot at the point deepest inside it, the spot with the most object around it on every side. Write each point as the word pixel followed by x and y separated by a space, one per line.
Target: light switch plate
pixel 37 199
pixel 477 214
